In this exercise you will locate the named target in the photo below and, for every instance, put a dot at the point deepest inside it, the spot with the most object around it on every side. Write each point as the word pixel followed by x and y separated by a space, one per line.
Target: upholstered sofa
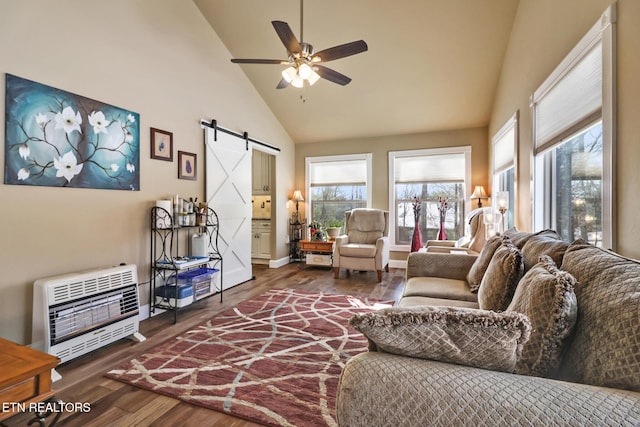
pixel 563 346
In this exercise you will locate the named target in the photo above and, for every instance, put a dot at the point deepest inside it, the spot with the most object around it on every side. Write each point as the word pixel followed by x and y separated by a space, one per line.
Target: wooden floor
pixel 116 404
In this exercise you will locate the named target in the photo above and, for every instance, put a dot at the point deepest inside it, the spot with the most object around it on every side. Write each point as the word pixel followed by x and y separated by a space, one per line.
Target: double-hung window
pixel 336 184
pixel 505 155
pixel 574 141
pixel 429 175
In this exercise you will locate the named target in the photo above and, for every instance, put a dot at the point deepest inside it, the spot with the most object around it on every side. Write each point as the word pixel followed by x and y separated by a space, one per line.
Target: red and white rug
pixel 274 360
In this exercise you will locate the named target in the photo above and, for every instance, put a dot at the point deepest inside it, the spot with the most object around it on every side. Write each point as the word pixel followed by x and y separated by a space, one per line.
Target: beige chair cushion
pixel 478 338
pixel 438 287
pixel 604 349
pixel 501 278
pixel 418 301
pixel 545 243
pixel 358 250
pixel 545 295
pixel 477 270
pixel 365 225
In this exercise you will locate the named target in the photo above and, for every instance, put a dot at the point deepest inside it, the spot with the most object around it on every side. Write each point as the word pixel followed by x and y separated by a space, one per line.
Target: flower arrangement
pixel 443 207
pixel 317 232
pixel 417 206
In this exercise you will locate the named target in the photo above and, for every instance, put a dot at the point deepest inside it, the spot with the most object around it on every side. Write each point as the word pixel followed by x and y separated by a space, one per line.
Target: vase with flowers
pixel 443 207
pixel 416 240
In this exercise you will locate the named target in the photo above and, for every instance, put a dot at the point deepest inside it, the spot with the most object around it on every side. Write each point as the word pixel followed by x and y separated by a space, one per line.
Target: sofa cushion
pixel 545 295
pixel 358 250
pixel 501 278
pixel 469 337
pixel 415 301
pixel 545 243
pixel 437 287
pixel 477 270
pixel 604 349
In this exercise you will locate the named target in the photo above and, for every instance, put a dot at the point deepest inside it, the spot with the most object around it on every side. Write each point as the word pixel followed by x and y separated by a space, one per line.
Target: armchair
pixel 365 244
pixel 472 242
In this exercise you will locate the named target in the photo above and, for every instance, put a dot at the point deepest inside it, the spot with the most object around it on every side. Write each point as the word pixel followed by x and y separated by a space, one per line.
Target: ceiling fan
pixel 304 61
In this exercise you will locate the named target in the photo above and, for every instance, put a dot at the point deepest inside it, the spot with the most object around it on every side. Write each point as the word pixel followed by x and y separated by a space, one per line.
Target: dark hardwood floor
pixel 116 404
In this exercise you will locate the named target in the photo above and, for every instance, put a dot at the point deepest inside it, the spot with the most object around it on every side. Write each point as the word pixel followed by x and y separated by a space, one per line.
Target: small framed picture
pixel 186 165
pixel 161 145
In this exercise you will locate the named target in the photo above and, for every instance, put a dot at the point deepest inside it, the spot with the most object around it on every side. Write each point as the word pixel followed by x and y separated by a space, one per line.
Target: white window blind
pixel 431 168
pixel 570 101
pixel 504 148
pixel 338 172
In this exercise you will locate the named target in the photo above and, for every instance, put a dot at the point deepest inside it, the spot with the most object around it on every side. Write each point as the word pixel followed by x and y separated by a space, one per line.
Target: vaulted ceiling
pixel 431 64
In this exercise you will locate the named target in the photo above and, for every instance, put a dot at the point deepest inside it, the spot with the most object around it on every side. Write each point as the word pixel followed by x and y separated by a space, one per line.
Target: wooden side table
pixel 25 377
pixel 317 252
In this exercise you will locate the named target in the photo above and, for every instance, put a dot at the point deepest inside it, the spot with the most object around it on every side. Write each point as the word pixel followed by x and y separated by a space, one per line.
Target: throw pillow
pixel 501 278
pixel 548 243
pixel 604 349
pixel 545 295
pixel 479 267
pixel 478 338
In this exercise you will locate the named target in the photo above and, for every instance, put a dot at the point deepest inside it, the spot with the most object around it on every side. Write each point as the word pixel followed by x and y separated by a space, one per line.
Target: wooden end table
pixel 317 252
pixel 25 377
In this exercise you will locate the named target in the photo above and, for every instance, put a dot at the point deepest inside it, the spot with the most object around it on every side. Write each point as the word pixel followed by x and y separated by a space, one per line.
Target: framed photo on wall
pixel 187 165
pixel 161 145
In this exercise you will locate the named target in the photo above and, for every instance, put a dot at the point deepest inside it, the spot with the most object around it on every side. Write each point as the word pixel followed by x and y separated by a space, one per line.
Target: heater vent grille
pixel 63 292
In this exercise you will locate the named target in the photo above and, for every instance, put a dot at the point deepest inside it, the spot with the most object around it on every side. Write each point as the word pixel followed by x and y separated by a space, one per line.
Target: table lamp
pixel 479 193
pixel 297 196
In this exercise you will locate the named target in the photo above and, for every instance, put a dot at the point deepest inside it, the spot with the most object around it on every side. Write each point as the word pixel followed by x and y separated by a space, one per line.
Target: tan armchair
pixel 472 242
pixel 365 244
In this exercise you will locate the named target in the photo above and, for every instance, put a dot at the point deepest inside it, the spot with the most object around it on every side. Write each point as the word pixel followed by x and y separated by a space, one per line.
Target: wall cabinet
pixel 261 164
pixel 261 239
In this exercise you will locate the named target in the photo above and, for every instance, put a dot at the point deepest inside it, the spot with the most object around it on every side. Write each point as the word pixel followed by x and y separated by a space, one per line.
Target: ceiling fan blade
pixel 259 61
pixel 283 83
pixel 341 51
pixel 331 75
pixel 286 35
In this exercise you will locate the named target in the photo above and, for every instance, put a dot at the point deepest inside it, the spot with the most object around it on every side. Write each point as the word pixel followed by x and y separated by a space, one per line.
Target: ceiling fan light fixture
pixel 304 71
pixel 313 77
pixel 289 74
pixel 297 82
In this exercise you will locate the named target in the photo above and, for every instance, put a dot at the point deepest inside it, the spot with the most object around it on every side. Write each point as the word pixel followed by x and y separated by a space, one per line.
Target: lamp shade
pixel 502 200
pixel 479 193
pixel 297 196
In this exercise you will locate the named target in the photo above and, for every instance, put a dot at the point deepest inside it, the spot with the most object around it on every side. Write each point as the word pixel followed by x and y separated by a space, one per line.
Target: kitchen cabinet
pixel 261 239
pixel 261 170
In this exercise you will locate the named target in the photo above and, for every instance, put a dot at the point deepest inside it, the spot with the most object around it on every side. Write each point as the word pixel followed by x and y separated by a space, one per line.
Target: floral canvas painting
pixel 59 139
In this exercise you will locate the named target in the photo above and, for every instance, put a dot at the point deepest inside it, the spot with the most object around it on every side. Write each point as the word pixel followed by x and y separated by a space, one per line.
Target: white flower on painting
pixel 23 174
pixel 24 150
pixel 99 122
pixel 67 166
pixel 68 120
pixel 131 118
pixel 41 119
pixel 114 167
pixel 131 168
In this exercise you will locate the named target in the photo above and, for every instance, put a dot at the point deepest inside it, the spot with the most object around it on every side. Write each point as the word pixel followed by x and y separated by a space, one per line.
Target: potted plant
pixel 333 228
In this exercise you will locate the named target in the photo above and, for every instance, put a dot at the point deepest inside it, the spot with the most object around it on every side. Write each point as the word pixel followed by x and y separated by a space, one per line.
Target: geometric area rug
pixel 274 360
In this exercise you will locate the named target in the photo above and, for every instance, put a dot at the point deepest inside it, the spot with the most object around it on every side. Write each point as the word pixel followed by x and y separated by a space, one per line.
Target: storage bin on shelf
pixel 183 288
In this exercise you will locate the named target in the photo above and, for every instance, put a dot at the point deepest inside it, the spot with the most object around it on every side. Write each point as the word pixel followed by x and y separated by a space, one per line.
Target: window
pixel 505 154
pixel 427 174
pixel 336 184
pixel 573 141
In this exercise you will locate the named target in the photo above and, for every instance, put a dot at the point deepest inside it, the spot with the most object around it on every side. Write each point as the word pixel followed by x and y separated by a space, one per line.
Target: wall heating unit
pixel 74 314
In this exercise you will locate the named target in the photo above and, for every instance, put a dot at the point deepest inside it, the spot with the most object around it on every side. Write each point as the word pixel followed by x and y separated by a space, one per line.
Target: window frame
pixel 510 125
pixel 542 215
pixel 367 157
pixel 465 150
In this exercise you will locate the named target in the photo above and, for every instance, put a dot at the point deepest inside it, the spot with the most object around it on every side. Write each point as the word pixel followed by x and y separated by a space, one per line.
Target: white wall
pixel 159 58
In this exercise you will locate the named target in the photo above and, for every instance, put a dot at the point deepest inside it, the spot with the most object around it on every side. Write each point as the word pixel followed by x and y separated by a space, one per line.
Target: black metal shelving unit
pixel 168 259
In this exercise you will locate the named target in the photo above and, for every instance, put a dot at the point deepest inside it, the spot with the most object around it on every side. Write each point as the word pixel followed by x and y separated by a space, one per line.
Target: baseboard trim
pixel 397 263
pixel 277 263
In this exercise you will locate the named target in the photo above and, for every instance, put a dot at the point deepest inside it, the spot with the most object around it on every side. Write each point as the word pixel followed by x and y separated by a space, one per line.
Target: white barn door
pixel 228 191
